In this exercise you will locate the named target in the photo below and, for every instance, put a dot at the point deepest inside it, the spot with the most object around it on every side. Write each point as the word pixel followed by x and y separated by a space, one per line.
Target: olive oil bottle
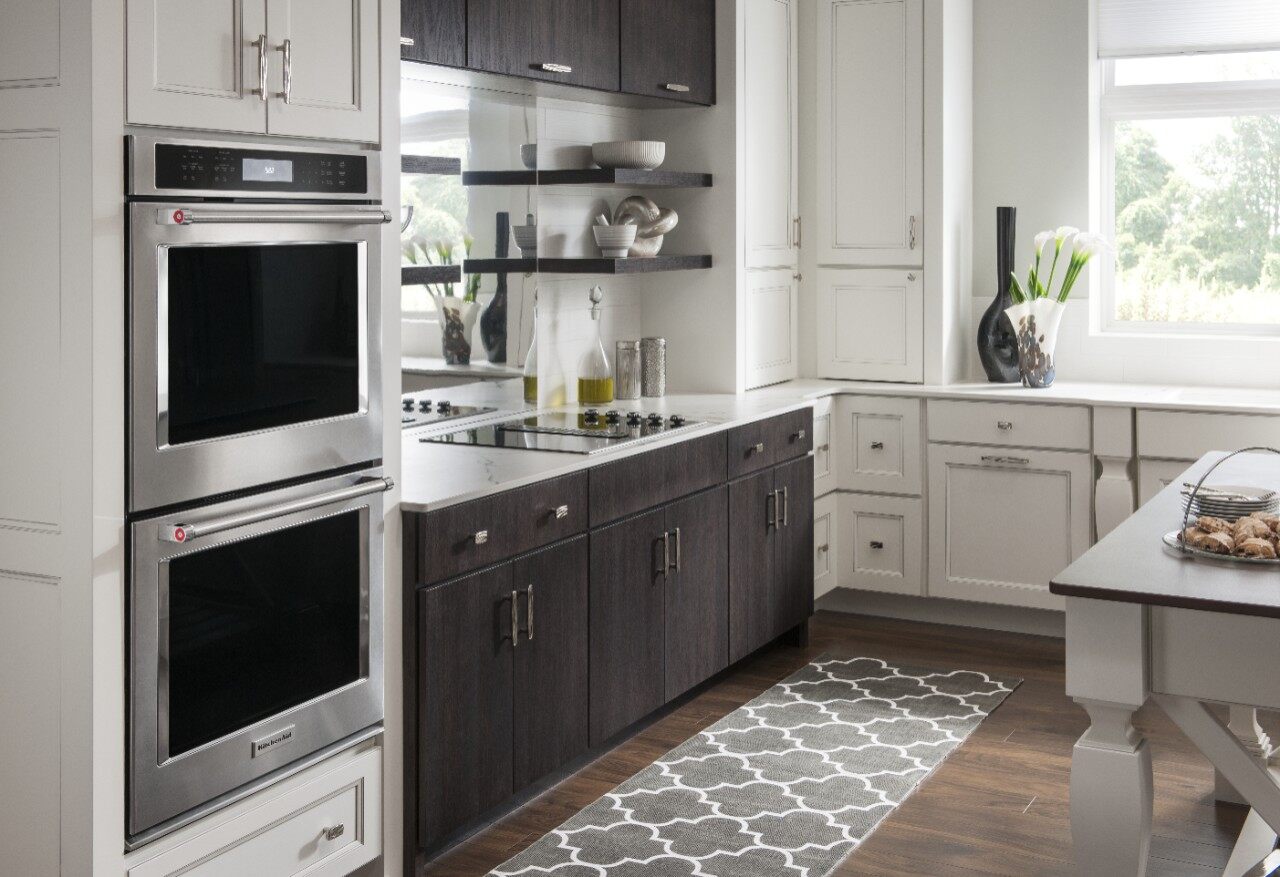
pixel 531 361
pixel 595 375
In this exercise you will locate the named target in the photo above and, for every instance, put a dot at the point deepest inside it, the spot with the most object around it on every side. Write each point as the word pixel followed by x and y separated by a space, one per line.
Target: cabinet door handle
pixel 528 612
pixel 551 67
pixel 261 44
pixel 757 448
pixel 1007 461
pixel 1004 425
pixel 877 446
pixel 286 51
pixel 771 515
pixel 677 87
pixel 515 619
pixel 481 537
pixel 407 41
pixel 334 832
pixel 676 531
pixel 786 503
pixel 911 233
pixel 798 436
pixel 824 447
pixel 877 545
pixel 666 554
pixel 797 231
pixel 823 548
pixel 562 512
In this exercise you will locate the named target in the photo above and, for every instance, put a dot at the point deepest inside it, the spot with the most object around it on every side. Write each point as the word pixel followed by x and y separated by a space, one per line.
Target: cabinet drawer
pixel 764 443
pixel 643 481
pixel 474 534
pixel 329 825
pixel 879 444
pixel 824 469
pixel 1010 424
pixel 882 543
pixel 1155 475
pixel 1183 435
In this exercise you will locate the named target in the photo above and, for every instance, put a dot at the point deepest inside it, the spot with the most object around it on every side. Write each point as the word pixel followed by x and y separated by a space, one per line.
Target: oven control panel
pixel 214 168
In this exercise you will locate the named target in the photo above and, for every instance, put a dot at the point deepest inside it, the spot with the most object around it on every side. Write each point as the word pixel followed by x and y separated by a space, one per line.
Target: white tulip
pixel 1088 244
pixel 1064 232
pixel 1043 240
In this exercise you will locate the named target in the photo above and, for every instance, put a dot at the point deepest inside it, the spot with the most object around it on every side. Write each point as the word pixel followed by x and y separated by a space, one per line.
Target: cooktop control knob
pixel 424 406
pixel 634 418
pixel 677 420
pixel 443 407
pixel 408 404
pixel 591 415
pixel 655 419
pixel 612 416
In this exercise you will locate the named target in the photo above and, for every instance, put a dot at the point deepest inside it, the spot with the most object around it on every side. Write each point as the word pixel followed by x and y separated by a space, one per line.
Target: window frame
pixel 1188 100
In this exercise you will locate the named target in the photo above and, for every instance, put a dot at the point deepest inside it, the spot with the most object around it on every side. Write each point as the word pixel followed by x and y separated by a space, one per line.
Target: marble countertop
pixel 436 475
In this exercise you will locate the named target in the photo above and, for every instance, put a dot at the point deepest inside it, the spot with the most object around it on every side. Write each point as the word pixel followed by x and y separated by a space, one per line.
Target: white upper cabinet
pixel 325 71
pixel 870 130
pixel 869 324
pixel 772 334
pixel 770 145
pixel 302 69
pixel 195 64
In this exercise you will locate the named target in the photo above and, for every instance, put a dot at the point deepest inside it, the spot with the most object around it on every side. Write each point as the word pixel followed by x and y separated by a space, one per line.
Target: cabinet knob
pixel 822 548
pixel 677 87
pixel 757 448
pixel 481 537
pixel 798 436
pixel 825 447
pixel 1004 425
pixel 911 276
pixel 876 544
pixel 562 511
pixel 334 832
pixel 552 67
pixel 406 41
pixel 877 446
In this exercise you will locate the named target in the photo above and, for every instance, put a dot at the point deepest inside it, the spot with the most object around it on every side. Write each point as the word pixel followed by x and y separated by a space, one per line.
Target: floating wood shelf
pixel 586 266
pixel 656 179
pixel 412 275
pixel 430 164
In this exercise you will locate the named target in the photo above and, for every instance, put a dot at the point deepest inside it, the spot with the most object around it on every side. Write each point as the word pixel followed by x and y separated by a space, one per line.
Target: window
pixel 1190 160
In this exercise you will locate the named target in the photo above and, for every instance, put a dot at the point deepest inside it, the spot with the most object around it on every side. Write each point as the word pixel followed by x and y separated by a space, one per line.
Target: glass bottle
pixel 595 376
pixel 531 361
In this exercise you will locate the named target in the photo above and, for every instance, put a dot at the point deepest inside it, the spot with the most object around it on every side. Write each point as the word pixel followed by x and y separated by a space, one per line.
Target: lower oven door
pixel 255 640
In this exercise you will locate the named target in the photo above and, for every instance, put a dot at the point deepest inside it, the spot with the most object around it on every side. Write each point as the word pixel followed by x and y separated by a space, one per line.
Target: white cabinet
pixel 870 324
pixel 1003 522
pixel 882 543
pixel 1155 475
pixel 880 444
pixel 769 136
pixel 203 64
pixel 824 469
pixel 870 130
pixel 772 335
pixel 825 539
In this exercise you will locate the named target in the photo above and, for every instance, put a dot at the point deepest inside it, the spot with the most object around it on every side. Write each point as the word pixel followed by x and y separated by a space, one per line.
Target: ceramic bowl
pixel 526 239
pixel 614 240
pixel 636 154
pixel 529 156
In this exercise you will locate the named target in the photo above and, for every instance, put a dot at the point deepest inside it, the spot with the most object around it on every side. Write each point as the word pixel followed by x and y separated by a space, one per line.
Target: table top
pixel 1132 564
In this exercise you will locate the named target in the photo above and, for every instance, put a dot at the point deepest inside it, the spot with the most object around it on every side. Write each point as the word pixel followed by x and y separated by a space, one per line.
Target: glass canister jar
pixel 626 366
pixel 653 367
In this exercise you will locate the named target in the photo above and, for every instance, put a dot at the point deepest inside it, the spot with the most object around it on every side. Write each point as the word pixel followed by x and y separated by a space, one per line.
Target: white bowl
pixel 633 154
pixel 614 240
pixel 529 156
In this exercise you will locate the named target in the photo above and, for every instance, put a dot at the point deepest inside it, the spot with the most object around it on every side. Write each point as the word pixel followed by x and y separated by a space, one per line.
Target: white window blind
pixel 1131 28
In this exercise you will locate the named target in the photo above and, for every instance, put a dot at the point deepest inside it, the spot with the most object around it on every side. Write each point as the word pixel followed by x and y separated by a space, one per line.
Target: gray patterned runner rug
pixel 789 784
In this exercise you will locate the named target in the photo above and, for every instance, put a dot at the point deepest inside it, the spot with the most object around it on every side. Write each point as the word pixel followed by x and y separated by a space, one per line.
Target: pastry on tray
pixel 1215 542
pixel 1213 525
pixel 1256 537
pixel 1250 528
pixel 1255 547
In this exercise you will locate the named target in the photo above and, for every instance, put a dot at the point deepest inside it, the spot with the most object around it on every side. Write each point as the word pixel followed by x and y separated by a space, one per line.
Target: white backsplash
pixel 566 330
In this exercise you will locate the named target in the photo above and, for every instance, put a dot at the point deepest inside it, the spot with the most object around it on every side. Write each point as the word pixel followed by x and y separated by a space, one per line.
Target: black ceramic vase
pixel 997 343
pixel 493 322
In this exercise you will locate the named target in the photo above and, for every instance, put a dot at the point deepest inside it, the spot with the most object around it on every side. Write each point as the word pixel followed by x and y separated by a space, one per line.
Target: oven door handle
pixel 187 216
pixel 184 532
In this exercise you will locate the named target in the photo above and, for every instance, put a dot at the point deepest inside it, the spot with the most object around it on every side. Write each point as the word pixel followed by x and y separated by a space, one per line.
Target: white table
pixel 1144 622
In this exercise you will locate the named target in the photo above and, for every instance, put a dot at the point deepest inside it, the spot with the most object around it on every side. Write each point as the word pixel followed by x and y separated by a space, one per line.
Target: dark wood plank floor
pixel 998 806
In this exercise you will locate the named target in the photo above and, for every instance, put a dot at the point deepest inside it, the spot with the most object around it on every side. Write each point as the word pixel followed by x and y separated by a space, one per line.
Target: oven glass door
pixel 259 336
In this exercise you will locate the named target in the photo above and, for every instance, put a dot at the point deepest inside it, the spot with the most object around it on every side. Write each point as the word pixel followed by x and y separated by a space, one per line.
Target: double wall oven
pixel 254 479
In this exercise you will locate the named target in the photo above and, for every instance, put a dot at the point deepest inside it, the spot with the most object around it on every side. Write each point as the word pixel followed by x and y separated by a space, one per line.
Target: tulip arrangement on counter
pixel 457 314
pixel 1037 312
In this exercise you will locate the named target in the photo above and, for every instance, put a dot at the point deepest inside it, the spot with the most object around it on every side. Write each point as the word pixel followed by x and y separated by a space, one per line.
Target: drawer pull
pixel 676 87
pixel 877 544
pixel 562 512
pixel 515 619
pixel 406 41
pixel 481 537
pixel 551 67
pixel 1004 425
pixel 528 612
pixel 757 448
pixel 334 832
pixel 1008 461
pixel 825 447
pixel 877 446
pixel 798 436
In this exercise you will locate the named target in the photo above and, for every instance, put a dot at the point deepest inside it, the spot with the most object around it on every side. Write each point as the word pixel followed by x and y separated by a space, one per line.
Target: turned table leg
pixel 1111 794
pixel 1243 722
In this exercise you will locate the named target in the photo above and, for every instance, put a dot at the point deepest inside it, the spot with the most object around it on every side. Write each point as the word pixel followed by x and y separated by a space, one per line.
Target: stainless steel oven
pixel 255 316
pixel 256 642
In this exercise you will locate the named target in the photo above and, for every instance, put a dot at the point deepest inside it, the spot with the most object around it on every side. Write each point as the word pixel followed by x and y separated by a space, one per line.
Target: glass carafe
pixel 595 375
pixel 531 362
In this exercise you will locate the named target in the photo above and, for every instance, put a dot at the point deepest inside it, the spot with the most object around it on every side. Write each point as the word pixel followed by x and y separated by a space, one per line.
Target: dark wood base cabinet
pixel 543 621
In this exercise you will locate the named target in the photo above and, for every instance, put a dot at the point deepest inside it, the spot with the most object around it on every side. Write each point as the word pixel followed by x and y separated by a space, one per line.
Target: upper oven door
pixel 255 351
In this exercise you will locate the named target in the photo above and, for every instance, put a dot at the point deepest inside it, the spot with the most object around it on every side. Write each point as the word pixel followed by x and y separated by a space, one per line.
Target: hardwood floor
pixel 998 806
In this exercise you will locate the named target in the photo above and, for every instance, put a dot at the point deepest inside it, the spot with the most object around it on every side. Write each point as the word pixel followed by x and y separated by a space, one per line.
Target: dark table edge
pixel 1199 604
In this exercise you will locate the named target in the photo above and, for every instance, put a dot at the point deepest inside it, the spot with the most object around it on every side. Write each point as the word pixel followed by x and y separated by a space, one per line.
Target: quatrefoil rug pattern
pixel 789 784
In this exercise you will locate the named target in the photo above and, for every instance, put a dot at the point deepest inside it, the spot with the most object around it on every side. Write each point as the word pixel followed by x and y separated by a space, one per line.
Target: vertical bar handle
pixel 286 49
pixel 261 44
pixel 515 619
pixel 784 514
pixel 528 612
pixel 771 516
pixel 911 232
pixel 676 531
pixel 666 554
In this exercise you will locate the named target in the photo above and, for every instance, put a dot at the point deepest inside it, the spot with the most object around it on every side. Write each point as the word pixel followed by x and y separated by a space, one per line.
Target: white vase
pixel 457 319
pixel 1036 323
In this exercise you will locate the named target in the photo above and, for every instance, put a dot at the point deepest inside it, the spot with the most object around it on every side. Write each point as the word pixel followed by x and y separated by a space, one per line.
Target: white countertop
pixel 437 475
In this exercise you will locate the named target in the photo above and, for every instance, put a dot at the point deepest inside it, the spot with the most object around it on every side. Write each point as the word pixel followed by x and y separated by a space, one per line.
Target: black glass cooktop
pixel 570 432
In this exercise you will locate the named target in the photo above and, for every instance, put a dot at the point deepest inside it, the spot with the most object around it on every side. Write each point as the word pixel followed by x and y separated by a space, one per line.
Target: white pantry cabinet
pixel 287 67
pixel 870 324
pixel 772 348
pixel 870 129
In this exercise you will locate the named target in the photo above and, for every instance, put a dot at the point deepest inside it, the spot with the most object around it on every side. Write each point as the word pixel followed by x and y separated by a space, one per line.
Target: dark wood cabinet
pixel 770 555
pixel 550 660
pixel 628 575
pixel 668 49
pixel 568 41
pixel 655 477
pixel 697 590
pixel 434 31
pixel 464 701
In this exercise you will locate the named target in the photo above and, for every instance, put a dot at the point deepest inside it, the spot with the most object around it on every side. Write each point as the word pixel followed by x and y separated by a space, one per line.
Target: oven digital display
pixel 267 170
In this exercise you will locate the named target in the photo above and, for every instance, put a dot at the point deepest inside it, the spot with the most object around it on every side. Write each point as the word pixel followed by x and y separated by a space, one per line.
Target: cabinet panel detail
pixel 770 138
pixel 871 324
pixel 882 542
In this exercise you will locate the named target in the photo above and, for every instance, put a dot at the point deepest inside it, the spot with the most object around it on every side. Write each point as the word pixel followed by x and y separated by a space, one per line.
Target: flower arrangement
pixel 1082 245
pixel 418 251
pixel 457 314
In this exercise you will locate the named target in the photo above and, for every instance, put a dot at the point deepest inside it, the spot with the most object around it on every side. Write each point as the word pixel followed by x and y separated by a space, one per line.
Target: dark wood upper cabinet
pixel 568 41
pixel 668 49
pixel 434 31
pixel 550 660
pixel 464 701
pixel 628 577
pixel 697 598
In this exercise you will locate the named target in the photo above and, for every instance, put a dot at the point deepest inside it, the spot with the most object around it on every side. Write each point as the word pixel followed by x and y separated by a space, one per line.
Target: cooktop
pixel 570 432
pixel 420 411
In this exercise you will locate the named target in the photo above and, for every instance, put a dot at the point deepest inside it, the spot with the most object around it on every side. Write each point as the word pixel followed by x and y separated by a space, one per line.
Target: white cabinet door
pixel 770 134
pixel 824 469
pixel 870 132
pixel 1155 475
pixel 871 324
pixel 1003 522
pixel 195 64
pixel 882 543
pixel 880 444
pixel 772 339
pixel 825 562
pixel 324 69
